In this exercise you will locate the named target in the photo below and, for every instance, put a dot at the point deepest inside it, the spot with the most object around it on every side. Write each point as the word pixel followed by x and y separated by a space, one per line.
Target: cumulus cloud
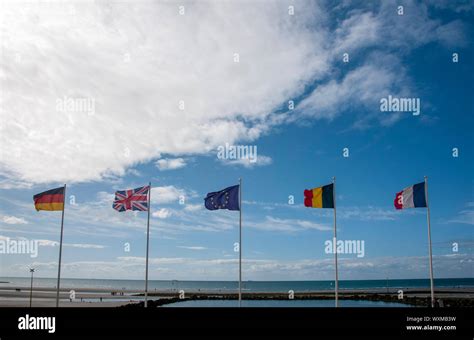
pixel 167 194
pixel 363 86
pixel 13 220
pixel 170 163
pixel 96 88
pixel 193 207
pixel 357 31
pixel 157 82
pixel 162 213
pixel 385 38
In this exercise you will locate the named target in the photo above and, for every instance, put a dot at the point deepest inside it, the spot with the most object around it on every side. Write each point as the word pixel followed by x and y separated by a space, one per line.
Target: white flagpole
pixel 335 242
pixel 240 242
pixel 147 245
pixel 429 242
pixel 61 247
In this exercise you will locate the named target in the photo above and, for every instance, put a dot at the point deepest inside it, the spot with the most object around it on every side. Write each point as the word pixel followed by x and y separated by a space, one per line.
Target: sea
pixel 228 286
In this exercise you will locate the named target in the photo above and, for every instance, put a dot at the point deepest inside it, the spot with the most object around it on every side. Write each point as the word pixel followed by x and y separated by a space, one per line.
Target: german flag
pixel 50 200
pixel 322 197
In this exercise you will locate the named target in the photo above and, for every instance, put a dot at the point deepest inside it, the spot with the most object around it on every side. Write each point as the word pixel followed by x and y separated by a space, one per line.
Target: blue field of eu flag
pixel 227 198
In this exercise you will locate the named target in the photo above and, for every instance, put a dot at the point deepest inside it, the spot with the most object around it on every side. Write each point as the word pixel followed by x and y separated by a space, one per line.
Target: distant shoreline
pixel 246 281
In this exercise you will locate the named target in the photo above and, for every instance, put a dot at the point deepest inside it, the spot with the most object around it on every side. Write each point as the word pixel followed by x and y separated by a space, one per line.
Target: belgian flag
pixel 322 197
pixel 51 200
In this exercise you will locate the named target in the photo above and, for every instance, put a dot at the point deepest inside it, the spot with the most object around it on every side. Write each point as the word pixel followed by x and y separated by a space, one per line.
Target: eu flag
pixel 227 198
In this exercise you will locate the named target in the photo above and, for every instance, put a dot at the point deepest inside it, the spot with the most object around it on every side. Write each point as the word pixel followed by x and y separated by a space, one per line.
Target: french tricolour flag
pixel 411 197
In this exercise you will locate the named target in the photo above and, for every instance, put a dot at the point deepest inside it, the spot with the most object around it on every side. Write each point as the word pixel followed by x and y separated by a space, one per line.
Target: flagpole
pixel 429 241
pixel 61 247
pixel 335 242
pixel 240 242
pixel 147 245
pixel 32 270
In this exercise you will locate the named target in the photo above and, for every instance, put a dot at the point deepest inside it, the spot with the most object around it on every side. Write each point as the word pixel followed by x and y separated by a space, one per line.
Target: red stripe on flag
pixel 56 198
pixel 398 201
pixel 308 198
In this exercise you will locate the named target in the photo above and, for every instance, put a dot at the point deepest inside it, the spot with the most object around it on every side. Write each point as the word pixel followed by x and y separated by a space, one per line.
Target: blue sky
pixel 137 133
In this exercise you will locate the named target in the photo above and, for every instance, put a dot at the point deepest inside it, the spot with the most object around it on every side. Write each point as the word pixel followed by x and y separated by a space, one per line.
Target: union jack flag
pixel 132 199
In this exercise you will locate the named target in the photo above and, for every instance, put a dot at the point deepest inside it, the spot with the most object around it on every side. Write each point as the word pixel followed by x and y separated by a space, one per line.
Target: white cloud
pixel 179 268
pixel 246 162
pixel 167 194
pixel 465 216
pixel 137 61
pixel 163 83
pixel 14 220
pixel 105 197
pixel 287 225
pixel 371 213
pixel 170 163
pixel 193 247
pixel 84 245
pixel 193 207
pixel 387 37
pixel 357 31
pixel 50 243
pixel 162 213
pixel 364 86
pixel 134 172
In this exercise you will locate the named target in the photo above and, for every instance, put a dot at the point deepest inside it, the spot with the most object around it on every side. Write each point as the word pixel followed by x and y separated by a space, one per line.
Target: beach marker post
pixel 61 247
pixel 240 242
pixel 429 242
pixel 336 285
pixel 147 245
